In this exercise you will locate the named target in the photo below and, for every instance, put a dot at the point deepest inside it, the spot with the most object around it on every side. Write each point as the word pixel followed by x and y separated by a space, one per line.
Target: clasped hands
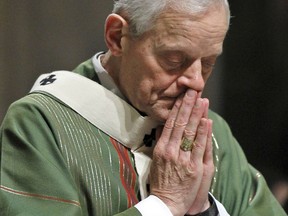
pixel 181 179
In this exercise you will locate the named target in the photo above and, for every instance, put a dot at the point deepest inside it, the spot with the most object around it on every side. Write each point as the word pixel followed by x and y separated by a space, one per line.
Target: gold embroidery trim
pixel 44 197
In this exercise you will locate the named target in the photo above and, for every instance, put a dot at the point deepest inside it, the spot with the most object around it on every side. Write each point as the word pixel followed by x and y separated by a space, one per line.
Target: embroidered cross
pixel 48 80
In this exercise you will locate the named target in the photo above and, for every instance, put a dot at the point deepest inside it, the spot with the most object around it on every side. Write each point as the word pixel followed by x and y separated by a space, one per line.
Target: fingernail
pixel 198 102
pixel 206 104
pixel 191 93
pixel 206 100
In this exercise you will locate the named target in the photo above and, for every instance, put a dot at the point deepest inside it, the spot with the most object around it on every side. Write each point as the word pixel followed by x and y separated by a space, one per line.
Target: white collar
pixel 100 106
pixel 106 111
pixel 104 77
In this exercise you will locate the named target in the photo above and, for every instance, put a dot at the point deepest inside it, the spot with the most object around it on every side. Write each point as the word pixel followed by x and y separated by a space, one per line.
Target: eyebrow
pixel 177 47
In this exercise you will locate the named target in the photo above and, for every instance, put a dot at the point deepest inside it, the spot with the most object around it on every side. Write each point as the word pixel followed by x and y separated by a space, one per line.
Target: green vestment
pixel 54 162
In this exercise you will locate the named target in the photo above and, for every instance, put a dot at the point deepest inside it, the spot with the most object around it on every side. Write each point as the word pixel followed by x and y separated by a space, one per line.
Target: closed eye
pixel 208 65
pixel 172 60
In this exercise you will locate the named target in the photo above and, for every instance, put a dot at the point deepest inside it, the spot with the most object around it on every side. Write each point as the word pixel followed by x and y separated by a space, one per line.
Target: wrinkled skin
pixel 184 178
pixel 163 74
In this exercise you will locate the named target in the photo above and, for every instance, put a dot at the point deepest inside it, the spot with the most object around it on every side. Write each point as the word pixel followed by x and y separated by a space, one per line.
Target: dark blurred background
pixel 248 88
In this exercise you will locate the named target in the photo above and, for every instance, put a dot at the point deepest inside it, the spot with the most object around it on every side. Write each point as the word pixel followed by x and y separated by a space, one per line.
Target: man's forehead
pixel 214 17
pixel 182 30
pixel 189 43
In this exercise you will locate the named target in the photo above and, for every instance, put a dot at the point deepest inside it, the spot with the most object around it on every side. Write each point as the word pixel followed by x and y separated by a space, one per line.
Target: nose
pixel 192 76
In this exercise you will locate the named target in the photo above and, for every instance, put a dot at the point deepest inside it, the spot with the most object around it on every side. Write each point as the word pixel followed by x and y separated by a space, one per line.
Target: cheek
pixel 137 88
pixel 144 92
pixel 145 80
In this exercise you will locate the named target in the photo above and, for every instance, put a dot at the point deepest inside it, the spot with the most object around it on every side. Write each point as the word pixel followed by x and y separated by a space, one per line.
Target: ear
pixel 115 27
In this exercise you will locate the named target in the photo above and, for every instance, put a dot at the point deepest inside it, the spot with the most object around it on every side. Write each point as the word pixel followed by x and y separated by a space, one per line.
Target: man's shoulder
pixel 221 130
pixel 32 104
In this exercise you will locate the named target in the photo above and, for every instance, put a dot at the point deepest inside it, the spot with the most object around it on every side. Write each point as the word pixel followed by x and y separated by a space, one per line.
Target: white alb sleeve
pixel 153 206
pixel 221 209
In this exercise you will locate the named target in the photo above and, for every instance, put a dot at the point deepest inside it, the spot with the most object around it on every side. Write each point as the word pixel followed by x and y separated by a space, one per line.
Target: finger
pixel 182 119
pixel 200 142
pixel 206 107
pixel 208 165
pixel 201 201
pixel 169 124
pixel 194 120
pixel 208 155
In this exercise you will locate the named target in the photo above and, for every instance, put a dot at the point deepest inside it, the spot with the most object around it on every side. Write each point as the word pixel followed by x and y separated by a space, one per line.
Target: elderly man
pixel 128 133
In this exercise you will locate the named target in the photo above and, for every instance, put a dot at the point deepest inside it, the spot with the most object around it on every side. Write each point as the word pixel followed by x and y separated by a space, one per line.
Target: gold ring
pixel 186 145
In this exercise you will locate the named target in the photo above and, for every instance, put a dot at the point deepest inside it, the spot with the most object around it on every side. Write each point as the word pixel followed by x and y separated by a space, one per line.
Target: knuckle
pixel 189 133
pixel 201 130
pixel 196 110
pixel 181 123
pixel 169 123
pixel 197 170
pixel 167 154
pixel 183 162
pixel 198 145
